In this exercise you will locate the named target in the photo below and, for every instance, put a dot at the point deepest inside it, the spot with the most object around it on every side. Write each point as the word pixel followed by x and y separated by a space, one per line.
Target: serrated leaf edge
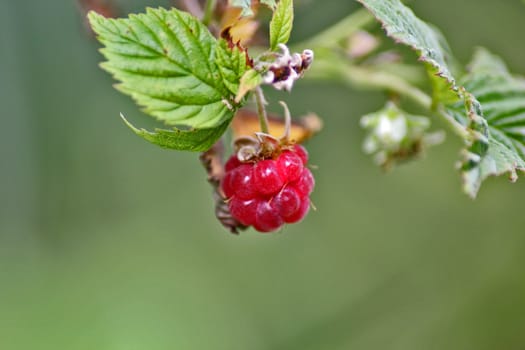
pixel 194 147
pixel 226 98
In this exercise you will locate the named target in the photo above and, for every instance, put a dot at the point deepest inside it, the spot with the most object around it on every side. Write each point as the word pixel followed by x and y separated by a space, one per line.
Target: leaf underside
pixel 497 124
pixel 402 25
pixel 488 102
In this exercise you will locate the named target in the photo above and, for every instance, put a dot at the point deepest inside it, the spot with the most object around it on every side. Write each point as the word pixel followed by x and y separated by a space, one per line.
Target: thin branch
pixel 352 23
pixel 261 109
pixel 368 78
pixel 208 11
pixel 287 122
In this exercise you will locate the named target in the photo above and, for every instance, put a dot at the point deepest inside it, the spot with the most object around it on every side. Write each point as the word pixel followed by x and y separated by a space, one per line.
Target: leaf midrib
pixel 161 55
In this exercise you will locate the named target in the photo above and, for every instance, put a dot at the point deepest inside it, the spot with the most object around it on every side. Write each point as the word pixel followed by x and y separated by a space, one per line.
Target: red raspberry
pixel 269 192
pixel 232 163
pixel 305 184
pixel 286 202
pixel 226 185
pixel 290 166
pixel 242 182
pixel 266 218
pixel 267 179
pixel 300 213
pixel 244 210
pixel 301 152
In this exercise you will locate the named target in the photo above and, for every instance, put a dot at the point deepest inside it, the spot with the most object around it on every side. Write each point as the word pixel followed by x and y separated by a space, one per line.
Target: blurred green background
pixel 108 242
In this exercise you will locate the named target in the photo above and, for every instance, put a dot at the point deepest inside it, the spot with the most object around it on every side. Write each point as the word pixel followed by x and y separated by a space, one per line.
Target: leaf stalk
pixel 261 109
pixel 208 11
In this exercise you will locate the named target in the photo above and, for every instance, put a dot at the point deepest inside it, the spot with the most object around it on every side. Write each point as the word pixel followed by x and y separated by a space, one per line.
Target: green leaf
pixel 488 104
pixel 232 65
pixel 495 103
pixel 197 140
pixel 245 5
pixel 166 61
pixel 249 81
pixel 404 27
pixel 281 23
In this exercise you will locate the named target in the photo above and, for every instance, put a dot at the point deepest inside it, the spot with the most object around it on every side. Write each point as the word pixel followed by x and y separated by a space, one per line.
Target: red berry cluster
pixel 270 192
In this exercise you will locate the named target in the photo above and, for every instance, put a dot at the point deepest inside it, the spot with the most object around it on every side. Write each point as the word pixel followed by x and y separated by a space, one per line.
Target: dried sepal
pixel 213 164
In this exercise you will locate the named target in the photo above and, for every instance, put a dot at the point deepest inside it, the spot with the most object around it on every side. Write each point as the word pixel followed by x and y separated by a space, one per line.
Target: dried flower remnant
pixel 286 68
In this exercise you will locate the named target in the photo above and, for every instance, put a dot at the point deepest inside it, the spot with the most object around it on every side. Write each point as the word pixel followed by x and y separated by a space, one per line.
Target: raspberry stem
pixel 208 11
pixel 261 109
pixel 287 122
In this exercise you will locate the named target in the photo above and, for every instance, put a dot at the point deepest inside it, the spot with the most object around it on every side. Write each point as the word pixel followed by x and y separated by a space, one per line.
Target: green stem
pixel 261 109
pixel 377 79
pixel 459 129
pixel 208 11
pixel 380 80
pixel 337 69
pixel 287 122
pixel 343 29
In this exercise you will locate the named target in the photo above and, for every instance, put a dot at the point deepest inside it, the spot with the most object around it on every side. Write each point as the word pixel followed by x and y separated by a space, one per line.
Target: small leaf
pixel 197 140
pixel 245 5
pixel 281 23
pixel 232 65
pixel 166 61
pixel 249 81
pixel 495 104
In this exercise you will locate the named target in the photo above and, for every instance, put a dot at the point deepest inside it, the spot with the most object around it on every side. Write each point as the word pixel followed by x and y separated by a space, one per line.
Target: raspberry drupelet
pixel 268 193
